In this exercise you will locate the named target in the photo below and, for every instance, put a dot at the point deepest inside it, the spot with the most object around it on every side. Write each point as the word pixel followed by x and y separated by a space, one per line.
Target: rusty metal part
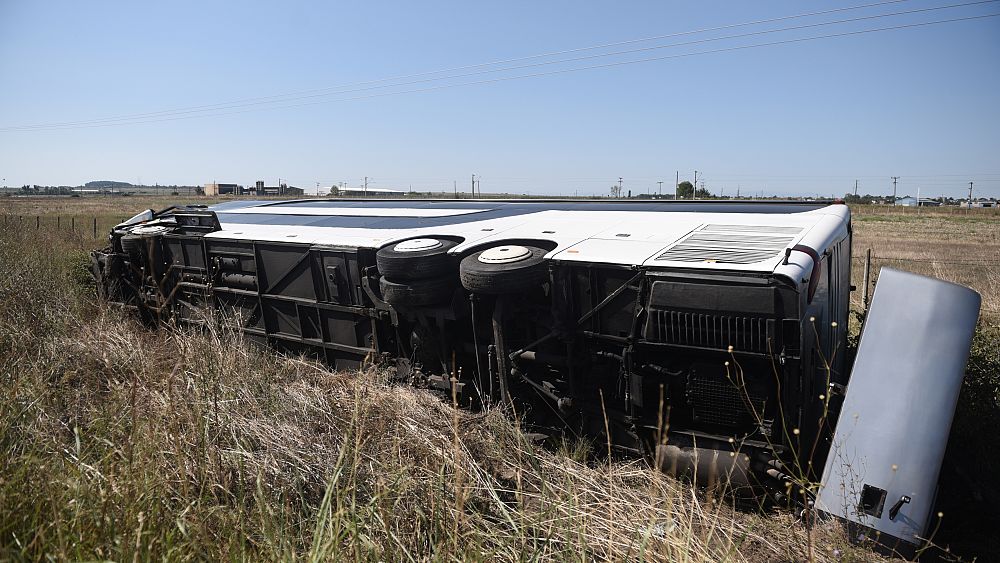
pixel 705 467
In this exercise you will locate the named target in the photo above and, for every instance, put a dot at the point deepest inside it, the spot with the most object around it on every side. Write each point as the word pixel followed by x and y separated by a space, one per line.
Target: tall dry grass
pixel 122 443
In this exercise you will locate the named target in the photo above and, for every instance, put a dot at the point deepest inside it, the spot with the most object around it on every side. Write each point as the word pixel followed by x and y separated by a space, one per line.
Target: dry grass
pixel 955 246
pixel 89 206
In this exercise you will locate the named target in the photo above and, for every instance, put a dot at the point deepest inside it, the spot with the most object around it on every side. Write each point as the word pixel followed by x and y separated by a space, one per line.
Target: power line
pixel 333 89
pixel 845 176
pixel 520 77
pixel 124 120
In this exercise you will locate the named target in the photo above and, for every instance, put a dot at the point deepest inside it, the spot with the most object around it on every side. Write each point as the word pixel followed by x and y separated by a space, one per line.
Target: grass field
pixel 960 247
pixel 117 442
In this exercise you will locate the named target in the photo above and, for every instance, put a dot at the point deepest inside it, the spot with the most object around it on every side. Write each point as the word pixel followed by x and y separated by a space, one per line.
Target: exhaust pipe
pixel 705 467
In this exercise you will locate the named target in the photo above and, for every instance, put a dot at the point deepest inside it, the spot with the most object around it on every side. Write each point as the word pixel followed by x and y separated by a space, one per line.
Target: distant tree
pixel 616 190
pixel 334 191
pixel 685 190
pixel 702 193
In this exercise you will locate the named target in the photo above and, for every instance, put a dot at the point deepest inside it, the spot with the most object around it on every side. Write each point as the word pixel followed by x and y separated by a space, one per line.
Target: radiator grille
pixel 744 334
pixel 733 244
pixel 717 401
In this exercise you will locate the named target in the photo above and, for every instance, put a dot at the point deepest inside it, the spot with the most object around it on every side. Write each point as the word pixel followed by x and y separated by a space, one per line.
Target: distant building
pixel 260 189
pixel 910 201
pixel 215 189
pixel 370 192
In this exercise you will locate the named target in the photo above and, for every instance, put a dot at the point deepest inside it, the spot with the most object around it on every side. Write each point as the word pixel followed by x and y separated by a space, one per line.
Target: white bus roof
pixel 743 236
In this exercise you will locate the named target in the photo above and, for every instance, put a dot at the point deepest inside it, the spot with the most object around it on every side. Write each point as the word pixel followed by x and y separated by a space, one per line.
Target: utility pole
pixel 619 186
pixel 677 182
pixel 366 186
pixel 855 188
pixel 970 195
pixel 694 187
pixel 473 186
pixel 454 184
pixel 661 187
pixel 317 189
pixel 894 178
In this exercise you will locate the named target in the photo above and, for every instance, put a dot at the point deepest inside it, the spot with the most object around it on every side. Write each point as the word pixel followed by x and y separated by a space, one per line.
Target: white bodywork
pixel 653 239
pixel 893 427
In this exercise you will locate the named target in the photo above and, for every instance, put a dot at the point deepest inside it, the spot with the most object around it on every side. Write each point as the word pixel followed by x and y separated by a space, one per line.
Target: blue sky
pixel 804 118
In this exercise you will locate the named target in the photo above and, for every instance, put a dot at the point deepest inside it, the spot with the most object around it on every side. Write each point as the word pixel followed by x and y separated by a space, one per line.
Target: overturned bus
pixel 711 336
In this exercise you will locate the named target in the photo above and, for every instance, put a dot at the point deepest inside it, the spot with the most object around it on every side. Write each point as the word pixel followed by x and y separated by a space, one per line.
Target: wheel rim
pixel 417 245
pixel 504 254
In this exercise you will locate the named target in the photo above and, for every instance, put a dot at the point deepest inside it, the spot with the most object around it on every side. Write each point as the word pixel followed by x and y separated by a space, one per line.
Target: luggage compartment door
pixel 886 455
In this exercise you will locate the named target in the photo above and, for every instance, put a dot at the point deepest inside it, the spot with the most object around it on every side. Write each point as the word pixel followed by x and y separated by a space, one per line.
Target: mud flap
pixel 882 472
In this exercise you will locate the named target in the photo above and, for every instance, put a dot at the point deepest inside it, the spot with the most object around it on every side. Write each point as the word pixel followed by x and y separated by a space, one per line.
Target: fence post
pixel 72 223
pixel 868 269
pixel 95 227
pixel 58 222
pixel 38 222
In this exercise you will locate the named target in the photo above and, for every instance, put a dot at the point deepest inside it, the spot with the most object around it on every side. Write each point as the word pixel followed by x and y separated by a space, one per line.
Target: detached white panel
pixel 883 467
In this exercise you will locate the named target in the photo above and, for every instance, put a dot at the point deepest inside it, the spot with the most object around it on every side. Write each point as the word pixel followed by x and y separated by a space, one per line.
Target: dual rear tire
pixel 419 272
pixel 416 272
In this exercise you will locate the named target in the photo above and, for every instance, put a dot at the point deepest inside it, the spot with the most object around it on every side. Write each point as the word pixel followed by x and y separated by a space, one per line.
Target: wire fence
pixel 981 274
pixel 96 226
pixel 986 262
